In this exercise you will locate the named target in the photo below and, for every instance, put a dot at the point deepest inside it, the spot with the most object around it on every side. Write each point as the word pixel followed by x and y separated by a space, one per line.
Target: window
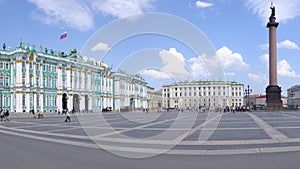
pixel 55 81
pixel 7 81
pixel 38 100
pixel 44 67
pixel 44 81
pixel 23 100
pixel 54 68
pixel 23 79
pixel 37 81
pixel 30 65
pixel 1 65
pixel 37 66
pixel 1 80
pixel 64 82
pixel 23 64
pixel 50 100
pixel 49 68
pixel 7 66
pixel 31 100
pixel 44 100
pixel 31 80
pixel 49 81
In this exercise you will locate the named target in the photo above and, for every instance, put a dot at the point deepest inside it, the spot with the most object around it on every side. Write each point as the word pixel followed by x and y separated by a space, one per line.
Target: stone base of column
pixel 273 98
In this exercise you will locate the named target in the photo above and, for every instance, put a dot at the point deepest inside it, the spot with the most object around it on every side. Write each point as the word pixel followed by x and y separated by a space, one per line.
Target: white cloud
pixel 230 74
pixel 72 13
pixel 198 67
pixel 286 44
pixel 201 4
pixel 80 14
pixel 100 47
pixel 257 78
pixel 264 46
pixel 265 59
pixel 230 60
pixel 285 69
pixel 155 74
pixel 123 8
pixel 174 64
pixel 285 10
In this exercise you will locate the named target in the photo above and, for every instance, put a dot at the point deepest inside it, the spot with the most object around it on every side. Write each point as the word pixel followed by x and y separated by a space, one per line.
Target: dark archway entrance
pixel 86 103
pixel 65 101
pixel 76 103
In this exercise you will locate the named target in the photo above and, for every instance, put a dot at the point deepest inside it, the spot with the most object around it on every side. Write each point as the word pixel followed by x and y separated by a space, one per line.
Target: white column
pixel 42 101
pixel 41 75
pixel 59 77
pixel 34 101
pixel 68 73
pixel 27 100
pixel 12 78
pixel 82 80
pixel 70 102
pixel 27 84
pixel 12 98
pixel 34 74
pixel 18 73
pixel 59 102
pixel 19 96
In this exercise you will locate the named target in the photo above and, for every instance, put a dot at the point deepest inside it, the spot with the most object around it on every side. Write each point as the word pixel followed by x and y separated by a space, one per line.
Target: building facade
pixel 293 95
pixel 48 81
pixel 130 92
pixel 154 99
pixel 208 94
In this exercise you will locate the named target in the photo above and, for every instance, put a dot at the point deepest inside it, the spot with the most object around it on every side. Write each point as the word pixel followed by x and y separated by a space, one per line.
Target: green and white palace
pixel 48 81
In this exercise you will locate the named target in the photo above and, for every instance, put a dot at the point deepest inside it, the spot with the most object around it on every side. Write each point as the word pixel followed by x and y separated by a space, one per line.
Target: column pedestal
pixel 273 98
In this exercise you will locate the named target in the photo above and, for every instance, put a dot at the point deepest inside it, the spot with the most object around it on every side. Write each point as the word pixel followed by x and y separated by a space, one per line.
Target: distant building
pixel 293 95
pixel 260 100
pixel 209 94
pixel 130 92
pixel 155 99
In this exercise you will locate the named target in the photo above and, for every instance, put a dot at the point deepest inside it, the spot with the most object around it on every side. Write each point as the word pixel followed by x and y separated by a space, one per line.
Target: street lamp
pixel 247 92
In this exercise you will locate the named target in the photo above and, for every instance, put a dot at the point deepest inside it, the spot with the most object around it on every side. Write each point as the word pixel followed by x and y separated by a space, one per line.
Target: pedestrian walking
pixel 68 119
pixel 6 114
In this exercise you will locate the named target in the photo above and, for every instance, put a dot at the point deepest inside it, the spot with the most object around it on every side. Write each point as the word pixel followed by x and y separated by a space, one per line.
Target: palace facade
pixel 130 91
pixel 208 94
pixel 48 81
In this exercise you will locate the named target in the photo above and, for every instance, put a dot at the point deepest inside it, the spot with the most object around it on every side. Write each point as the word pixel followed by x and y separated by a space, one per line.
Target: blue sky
pixel 236 29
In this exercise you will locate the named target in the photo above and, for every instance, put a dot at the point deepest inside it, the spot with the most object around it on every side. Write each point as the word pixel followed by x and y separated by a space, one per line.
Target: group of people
pixel 4 115
pixel 38 115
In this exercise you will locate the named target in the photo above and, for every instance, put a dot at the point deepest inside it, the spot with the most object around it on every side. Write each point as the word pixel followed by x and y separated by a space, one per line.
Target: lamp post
pixel 247 92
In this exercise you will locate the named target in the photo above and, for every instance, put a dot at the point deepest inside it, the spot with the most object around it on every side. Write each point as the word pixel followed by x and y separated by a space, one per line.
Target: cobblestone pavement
pixel 228 133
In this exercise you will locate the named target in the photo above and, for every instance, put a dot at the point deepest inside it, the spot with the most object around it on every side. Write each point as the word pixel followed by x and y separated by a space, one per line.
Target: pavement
pixel 140 134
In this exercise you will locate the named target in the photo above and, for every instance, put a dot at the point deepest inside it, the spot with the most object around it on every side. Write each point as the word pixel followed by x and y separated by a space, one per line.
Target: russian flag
pixel 64 35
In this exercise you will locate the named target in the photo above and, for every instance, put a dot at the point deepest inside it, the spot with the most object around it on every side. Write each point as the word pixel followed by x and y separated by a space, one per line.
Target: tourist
pixel 6 115
pixel 68 119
